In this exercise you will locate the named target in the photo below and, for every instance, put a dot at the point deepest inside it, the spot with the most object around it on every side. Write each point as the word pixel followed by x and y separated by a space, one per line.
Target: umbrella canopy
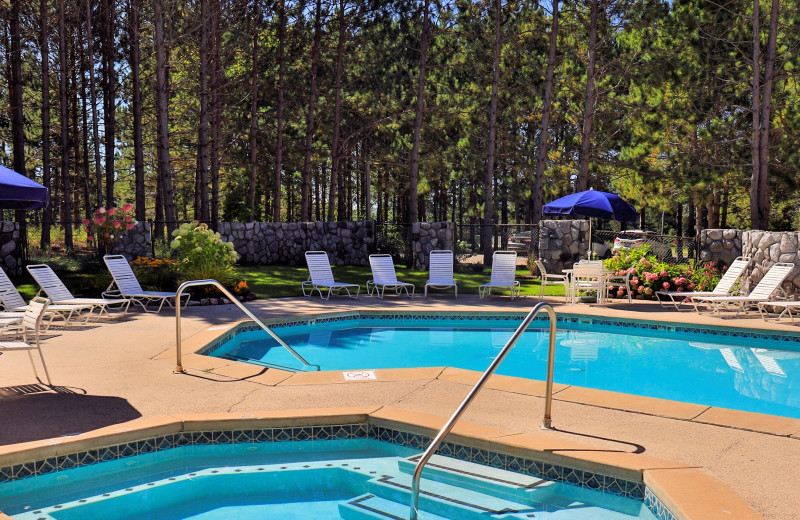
pixel 591 203
pixel 20 192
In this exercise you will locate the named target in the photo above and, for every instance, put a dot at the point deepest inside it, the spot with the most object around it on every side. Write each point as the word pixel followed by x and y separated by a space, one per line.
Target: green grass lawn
pixel 275 281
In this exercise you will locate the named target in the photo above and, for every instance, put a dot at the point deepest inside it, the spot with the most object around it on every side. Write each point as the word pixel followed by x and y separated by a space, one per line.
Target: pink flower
pixel 107 234
pixel 665 285
pixel 98 220
pixel 111 212
pixel 621 292
pixel 127 208
pixel 117 224
pixel 680 289
pixel 100 210
pixel 634 281
pixel 648 291
pixel 691 285
pixel 129 225
pixel 128 218
pixel 85 222
pixel 662 273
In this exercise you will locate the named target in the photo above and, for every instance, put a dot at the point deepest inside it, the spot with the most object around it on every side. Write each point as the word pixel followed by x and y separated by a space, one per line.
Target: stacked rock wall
pixel 10 248
pixel 720 246
pixel 347 243
pixel 562 243
pixel 767 248
pixel 135 242
pixel 427 236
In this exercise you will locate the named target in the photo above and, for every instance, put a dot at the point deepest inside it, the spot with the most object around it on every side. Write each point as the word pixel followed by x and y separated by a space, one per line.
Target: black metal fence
pixel 667 248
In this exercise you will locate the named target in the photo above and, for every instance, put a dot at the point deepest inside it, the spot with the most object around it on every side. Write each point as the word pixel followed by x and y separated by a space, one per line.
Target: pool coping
pixel 704 414
pixel 674 490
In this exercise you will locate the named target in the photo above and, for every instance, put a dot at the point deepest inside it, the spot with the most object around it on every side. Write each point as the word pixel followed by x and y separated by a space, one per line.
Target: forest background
pixel 402 110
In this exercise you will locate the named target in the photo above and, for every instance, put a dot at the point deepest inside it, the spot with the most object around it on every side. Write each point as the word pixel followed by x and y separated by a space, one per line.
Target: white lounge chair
pixel 551 279
pixel 126 285
pixel 763 292
pixel 14 304
pixel 384 276
pixel 440 269
pixel 320 277
pixel 31 322
pixel 790 308
pixel 504 272
pixel 723 287
pixel 58 293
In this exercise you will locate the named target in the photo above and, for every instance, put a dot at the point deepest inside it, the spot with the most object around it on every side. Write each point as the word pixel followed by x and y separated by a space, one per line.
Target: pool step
pixel 371 507
pixel 484 479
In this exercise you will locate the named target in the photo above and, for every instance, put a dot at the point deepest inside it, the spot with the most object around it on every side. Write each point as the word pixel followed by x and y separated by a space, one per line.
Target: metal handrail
pixel 232 298
pixel 467 400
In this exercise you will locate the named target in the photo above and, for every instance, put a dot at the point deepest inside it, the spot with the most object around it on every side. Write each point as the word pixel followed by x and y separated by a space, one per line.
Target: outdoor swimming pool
pixel 357 478
pixel 754 371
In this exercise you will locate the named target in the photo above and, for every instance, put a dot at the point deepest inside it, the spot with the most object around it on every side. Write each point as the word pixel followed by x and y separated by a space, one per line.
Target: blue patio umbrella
pixel 591 203
pixel 20 192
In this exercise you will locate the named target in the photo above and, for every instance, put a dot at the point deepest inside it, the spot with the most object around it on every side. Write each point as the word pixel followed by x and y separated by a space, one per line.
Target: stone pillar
pixel 563 243
pixel 767 248
pixel 134 242
pixel 720 246
pixel 427 236
pixel 10 248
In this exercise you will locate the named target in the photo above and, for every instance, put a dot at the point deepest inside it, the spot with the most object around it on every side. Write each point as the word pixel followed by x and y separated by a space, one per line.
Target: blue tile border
pixel 603 483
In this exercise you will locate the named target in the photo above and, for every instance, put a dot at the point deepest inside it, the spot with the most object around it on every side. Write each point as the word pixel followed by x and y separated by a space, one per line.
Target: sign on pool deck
pixel 359 375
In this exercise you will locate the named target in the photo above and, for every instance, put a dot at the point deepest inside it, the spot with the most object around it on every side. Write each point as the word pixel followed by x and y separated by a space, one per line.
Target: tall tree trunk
pixel 276 186
pixel 162 117
pixel 337 114
pixel 66 192
pixel 762 201
pixel 17 112
pixel 134 7
pixel 755 148
pixel 305 179
pixel 544 129
pixel 47 212
pixel 201 194
pixel 590 101
pixel 488 213
pixel 98 165
pixel 366 185
pixel 216 110
pixel 254 113
pixel 109 96
pixel 413 173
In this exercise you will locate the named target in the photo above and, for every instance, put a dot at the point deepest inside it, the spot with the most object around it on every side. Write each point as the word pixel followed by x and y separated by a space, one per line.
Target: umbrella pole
pixel 589 252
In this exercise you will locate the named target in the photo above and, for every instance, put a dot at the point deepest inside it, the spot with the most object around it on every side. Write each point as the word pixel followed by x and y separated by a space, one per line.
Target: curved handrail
pixel 414 513
pixel 232 298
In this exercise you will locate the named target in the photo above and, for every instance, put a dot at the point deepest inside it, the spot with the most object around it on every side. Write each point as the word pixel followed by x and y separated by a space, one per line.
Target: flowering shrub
pixel 157 274
pixel 648 275
pixel 202 254
pixel 107 225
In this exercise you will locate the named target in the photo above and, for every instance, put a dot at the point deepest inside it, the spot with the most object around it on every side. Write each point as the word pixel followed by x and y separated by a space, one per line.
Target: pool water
pixel 300 480
pixel 754 374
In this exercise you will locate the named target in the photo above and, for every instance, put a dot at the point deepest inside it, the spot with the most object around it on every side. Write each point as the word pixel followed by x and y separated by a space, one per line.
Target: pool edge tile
pixel 631 403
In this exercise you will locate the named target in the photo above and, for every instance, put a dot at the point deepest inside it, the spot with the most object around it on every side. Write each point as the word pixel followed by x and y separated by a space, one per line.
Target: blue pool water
pixel 749 372
pixel 300 480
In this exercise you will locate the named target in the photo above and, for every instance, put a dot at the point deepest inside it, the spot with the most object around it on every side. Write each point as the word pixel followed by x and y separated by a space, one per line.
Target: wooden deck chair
pixel 58 293
pixel 440 275
pixel 384 276
pixel 31 323
pixel 504 272
pixel 320 277
pixel 723 287
pixel 14 304
pixel 124 284
pixel 769 285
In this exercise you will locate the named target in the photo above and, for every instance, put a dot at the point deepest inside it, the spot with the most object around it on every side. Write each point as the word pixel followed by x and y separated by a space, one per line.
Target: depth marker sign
pixel 359 375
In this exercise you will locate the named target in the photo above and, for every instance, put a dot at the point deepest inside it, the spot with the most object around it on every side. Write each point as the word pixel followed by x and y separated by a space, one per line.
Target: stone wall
pixel 427 236
pixel 347 243
pixel 767 248
pixel 720 246
pixel 135 242
pixel 562 243
pixel 10 248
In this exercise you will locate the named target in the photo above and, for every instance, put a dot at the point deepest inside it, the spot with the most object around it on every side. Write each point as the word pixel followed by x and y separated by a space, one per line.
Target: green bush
pixel 156 274
pixel 202 254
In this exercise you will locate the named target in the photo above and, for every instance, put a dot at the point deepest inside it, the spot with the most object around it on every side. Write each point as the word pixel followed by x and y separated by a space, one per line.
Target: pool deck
pixel 110 373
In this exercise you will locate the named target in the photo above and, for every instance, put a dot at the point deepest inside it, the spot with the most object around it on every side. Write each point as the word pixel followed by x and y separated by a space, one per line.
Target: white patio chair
pixel 126 285
pixel 440 267
pixel 58 293
pixel 384 276
pixel 588 277
pixel 788 308
pixel 320 277
pixel 504 272
pixel 769 285
pixel 15 305
pixel 31 322
pixel 723 287
pixel 551 279
pixel 618 281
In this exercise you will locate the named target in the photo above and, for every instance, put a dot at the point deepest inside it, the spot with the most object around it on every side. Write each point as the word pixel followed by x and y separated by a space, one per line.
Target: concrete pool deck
pixel 110 373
